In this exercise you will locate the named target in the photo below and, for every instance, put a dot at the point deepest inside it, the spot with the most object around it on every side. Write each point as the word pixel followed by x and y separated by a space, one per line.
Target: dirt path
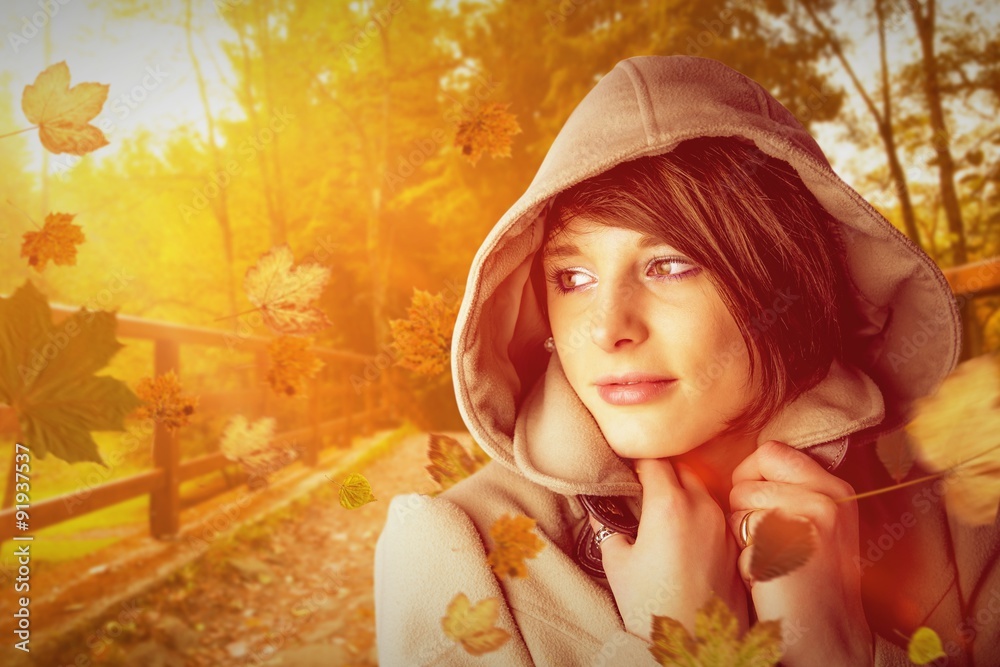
pixel 294 590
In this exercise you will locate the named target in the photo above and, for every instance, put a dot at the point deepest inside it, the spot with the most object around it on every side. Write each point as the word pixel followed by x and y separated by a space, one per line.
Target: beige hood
pixel 533 422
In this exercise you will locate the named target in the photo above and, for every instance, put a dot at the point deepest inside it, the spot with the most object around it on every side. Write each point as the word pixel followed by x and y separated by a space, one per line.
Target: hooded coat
pixel 920 567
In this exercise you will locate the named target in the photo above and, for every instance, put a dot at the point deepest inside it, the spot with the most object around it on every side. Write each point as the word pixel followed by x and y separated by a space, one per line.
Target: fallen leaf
pixel 781 544
pixel 56 241
pixel 283 292
pixel 63 114
pixel 715 643
pixel 355 491
pixel 423 340
pixel 488 128
pixel 47 375
pixel 896 454
pixel 924 646
pixel 449 461
pixel 292 363
pixel 473 627
pixel 164 401
pixel 954 431
pixel 515 542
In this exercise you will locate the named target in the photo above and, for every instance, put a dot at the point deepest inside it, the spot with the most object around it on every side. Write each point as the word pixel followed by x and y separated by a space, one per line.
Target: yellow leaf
pixel 486 129
pixel 781 544
pixel 355 491
pixel 283 293
pixel 955 432
pixel 925 646
pixel 292 363
pixel 424 339
pixel 896 454
pixel 515 542
pixel 715 642
pixel 164 402
pixel 473 626
pixel 449 462
pixel 57 241
pixel 63 114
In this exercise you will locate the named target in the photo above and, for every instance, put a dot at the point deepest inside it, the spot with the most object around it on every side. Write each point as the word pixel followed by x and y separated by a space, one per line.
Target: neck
pixel 715 460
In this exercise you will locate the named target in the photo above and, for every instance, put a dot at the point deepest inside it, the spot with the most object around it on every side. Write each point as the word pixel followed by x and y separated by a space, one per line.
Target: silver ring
pixel 745 529
pixel 603 534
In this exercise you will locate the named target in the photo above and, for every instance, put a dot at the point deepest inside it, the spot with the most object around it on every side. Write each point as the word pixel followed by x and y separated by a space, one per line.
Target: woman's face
pixel 635 304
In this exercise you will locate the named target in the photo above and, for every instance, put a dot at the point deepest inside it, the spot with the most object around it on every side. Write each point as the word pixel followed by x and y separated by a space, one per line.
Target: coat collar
pixel 558 444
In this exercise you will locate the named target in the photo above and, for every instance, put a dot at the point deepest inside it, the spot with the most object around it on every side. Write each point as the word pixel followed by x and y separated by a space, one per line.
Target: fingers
pixel 779 462
pixel 612 545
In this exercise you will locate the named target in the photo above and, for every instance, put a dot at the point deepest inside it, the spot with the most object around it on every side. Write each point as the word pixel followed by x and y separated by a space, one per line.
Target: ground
pixel 296 589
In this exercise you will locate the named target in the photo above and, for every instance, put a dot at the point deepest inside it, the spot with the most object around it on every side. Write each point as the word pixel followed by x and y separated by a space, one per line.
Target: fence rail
pixel 348 373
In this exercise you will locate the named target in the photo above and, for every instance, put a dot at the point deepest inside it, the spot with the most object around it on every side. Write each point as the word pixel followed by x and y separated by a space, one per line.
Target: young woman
pixel 686 320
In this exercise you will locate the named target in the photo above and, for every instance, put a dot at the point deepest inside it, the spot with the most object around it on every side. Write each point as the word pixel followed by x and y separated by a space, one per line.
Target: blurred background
pixel 279 209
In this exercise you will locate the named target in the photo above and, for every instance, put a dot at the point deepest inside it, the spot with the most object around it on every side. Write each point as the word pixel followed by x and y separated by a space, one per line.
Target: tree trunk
pixel 221 209
pixel 971 329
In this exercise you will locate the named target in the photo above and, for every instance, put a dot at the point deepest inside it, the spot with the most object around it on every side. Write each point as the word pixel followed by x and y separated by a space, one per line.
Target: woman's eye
pixel 662 267
pixel 571 280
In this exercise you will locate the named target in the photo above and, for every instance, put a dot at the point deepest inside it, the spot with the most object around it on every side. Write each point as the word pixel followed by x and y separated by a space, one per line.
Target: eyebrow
pixel 562 250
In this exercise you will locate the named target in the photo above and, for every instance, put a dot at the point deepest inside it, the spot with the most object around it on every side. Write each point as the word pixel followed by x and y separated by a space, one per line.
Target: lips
pixel 633 389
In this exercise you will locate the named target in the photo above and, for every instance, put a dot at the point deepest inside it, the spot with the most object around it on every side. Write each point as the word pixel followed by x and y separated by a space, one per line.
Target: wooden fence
pixel 358 387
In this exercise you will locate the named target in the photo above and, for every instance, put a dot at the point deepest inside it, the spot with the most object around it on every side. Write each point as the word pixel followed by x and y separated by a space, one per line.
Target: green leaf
pixel 47 376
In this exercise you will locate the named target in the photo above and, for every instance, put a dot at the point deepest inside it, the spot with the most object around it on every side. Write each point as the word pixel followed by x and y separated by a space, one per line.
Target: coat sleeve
pixel 427 553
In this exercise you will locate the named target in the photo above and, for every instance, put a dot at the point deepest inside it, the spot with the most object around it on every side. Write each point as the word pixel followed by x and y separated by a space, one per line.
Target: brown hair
pixel 747 219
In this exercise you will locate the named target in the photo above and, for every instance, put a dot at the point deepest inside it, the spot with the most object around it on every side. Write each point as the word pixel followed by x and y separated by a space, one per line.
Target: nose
pixel 617 318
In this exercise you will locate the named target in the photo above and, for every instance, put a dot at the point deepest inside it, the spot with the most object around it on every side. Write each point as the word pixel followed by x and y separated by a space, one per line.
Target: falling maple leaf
pixel 47 376
pixel 781 545
pixel 163 401
pixel 473 627
pixel 63 114
pixel 715 643
pixel 515 543
pixel 424 338
pixel 954 433
pixel 250 444
pixel 449 463
pixel 924 646
pixel 283 293
pixel 292 363
pixel 355 491
pixel 486 129
pixel 57 241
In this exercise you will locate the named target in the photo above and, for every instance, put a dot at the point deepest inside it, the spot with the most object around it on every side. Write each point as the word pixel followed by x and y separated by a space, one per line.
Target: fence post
pixel 165 502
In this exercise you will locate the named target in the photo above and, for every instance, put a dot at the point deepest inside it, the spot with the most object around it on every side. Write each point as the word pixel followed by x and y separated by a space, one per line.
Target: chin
pixel 630 445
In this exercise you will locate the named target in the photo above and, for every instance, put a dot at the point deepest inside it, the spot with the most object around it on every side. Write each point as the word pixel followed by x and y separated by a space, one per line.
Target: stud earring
pixel 550 344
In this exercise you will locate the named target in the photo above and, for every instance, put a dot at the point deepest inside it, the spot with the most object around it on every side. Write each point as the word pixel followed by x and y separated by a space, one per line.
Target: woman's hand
pixel 819 604
pixel 683 552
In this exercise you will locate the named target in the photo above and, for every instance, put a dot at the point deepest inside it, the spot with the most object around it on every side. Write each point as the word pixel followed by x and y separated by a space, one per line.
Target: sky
pixel 153 87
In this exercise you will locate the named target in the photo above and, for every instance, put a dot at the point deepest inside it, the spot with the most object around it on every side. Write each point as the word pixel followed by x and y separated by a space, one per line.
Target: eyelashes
pixel 555 276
